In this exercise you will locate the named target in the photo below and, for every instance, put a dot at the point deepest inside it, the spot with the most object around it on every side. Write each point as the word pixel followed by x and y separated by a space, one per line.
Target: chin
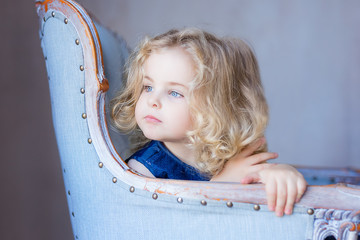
pixel 152 136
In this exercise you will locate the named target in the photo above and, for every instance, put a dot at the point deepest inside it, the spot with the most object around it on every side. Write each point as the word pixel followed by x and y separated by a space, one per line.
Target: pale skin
pixel 284 185
pixel 162 113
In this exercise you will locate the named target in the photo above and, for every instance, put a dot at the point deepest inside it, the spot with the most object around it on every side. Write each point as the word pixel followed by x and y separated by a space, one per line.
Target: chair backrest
pixel 108 201
pixel 114 52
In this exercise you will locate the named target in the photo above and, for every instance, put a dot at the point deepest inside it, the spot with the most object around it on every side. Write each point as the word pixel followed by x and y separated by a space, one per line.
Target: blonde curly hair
pixel 226 101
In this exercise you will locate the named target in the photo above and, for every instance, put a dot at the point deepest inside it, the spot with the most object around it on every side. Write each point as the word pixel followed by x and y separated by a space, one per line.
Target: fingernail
pixel 279 214
pixel 288 211
pixel 271 208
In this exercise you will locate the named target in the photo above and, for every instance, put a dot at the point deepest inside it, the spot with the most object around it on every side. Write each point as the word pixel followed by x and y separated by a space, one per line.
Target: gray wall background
pixel 309 56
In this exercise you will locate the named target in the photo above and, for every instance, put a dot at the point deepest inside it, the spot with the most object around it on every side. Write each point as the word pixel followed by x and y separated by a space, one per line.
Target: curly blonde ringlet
pixel 226 99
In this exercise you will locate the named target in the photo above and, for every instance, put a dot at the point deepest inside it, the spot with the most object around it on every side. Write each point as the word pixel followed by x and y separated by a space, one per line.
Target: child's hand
pixel 245 164
pixel 284 186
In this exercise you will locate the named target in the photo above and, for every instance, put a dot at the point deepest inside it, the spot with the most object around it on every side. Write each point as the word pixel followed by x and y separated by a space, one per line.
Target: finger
pixel 271 194
pixel 251 148
pixel 280 198
pixel 301 186
pixel 256 168
pixel 291 197
pixel 261 157
pixel 251 178
pixel 254 176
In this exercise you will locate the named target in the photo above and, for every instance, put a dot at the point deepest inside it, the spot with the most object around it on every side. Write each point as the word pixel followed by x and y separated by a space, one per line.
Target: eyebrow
pixel 149 78
pixel 171 83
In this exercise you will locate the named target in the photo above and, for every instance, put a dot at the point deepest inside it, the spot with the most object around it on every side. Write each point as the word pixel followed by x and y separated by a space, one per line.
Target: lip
pixel 152 119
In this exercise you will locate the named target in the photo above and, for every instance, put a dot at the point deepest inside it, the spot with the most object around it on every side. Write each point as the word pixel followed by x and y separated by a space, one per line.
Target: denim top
pixel 163 164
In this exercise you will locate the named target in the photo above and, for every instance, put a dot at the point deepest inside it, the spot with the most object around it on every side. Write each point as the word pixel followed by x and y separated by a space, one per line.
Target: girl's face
pixel 162 111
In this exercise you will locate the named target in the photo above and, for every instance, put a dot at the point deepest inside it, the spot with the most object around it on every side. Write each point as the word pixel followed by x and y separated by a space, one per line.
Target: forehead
pixel 171 64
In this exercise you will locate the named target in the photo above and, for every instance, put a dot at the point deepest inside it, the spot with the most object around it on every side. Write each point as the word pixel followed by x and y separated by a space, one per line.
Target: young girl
pixel 196 106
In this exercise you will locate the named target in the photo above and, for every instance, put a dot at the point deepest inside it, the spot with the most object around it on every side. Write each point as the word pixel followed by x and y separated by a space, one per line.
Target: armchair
pixel 107 200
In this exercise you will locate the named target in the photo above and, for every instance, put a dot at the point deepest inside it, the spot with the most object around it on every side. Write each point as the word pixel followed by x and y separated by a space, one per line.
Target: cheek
pixel 189 122
pixel 137 113
pixel 182 117
pixel 138 110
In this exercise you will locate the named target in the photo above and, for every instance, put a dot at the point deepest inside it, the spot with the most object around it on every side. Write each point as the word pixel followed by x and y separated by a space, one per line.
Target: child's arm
pixel 284 186
pixel 140 168
pixel 283 183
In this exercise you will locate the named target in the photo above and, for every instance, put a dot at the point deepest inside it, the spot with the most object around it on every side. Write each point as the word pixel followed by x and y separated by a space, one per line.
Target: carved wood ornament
pixel 339 224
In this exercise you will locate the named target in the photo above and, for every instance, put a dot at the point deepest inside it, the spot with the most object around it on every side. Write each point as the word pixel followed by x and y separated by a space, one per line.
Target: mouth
pixel 152 119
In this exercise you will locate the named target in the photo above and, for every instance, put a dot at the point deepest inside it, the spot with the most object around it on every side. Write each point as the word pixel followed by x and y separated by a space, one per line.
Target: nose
pixel 154 101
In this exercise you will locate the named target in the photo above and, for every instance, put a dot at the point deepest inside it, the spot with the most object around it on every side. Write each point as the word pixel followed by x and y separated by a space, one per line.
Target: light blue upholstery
pixel 115 52
pixel 102 209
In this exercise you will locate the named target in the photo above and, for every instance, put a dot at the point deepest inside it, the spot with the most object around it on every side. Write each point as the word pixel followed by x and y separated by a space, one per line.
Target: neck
pixel 182 151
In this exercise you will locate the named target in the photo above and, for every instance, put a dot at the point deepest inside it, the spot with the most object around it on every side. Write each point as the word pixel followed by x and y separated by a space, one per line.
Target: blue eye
pixel 148 88
pixel 175 94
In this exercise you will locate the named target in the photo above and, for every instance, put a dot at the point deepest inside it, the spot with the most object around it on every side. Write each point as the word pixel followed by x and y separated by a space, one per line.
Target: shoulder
pixel 140 168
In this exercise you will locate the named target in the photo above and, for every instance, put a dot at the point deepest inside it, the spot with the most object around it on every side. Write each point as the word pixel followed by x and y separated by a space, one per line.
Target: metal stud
pixel 77 41
pixel 82 90
pixel 256 207
pixel 84 115
pixel 310 211
pixel 64 170
pixel 76 237
pixel 66 20
pixel 229 204
pixel 53 14
pixel 179 200
pixel 69 192
pixel 101 164
pixel 154 196
pixel 132 189
pixel 81 68
pixel 45 58
pixel 89 140
pixel 44 19
pixel 114 179
pixel 203 202
pixel 73 214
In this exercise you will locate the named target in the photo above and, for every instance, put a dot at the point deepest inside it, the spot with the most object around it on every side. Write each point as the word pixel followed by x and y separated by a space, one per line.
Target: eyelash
pixel 147 88
pixel 175 94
